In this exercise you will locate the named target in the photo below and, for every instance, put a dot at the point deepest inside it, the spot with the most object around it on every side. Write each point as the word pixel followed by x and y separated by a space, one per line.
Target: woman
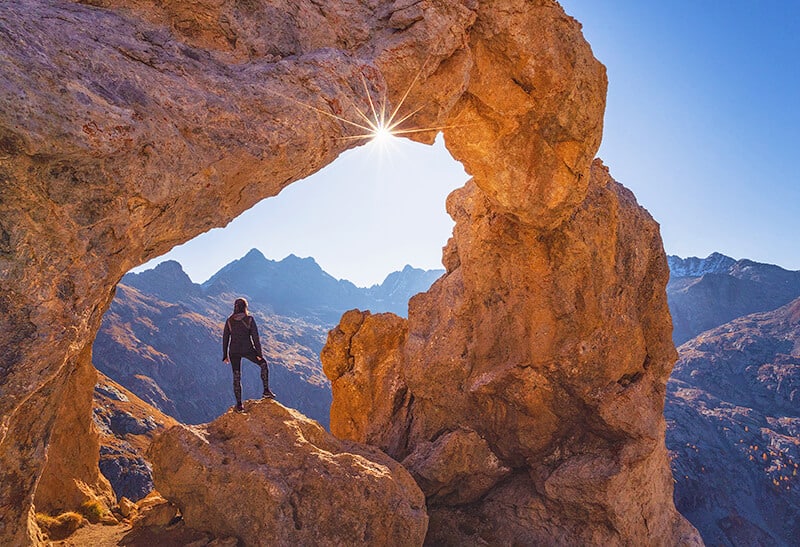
pixel 240 339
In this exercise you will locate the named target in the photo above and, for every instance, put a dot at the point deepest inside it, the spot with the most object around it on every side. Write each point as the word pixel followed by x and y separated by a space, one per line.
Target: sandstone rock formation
pixel 272 476
pixel 129 127
pixel 536 367
pixel 733 414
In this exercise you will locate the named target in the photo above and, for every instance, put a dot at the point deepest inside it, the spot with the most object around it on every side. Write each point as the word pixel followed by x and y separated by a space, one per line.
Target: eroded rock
pixel 273 476
pixel 543 355
pixel 127 128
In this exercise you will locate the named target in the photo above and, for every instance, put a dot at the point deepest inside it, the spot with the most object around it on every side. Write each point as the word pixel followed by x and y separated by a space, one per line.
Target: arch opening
pixel 374 216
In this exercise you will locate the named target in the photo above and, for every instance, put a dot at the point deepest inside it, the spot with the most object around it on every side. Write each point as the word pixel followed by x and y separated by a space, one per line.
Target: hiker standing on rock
pixel 240 336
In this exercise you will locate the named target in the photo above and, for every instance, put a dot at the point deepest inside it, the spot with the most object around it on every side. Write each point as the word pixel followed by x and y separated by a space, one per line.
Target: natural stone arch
pixel 129 127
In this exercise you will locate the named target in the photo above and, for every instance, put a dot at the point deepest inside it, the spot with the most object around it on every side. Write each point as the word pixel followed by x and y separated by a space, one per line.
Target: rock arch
pixel 129 127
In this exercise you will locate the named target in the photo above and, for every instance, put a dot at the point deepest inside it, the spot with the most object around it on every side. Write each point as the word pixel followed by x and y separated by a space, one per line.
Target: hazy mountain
pixel 392 295
pixel 161 337
pixel 733 428
pixel 295 287
pixel 705 293
pixel 299 287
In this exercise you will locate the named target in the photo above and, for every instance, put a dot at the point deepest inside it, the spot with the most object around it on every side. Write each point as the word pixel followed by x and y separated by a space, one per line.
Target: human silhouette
pixel 240 339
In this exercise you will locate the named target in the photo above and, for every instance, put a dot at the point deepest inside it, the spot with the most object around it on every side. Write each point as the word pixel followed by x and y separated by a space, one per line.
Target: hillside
pixel 733 429
pixel 127 425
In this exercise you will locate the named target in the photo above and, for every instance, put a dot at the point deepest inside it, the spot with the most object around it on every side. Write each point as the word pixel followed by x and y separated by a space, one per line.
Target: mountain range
pixel 161 337
pixel 705 293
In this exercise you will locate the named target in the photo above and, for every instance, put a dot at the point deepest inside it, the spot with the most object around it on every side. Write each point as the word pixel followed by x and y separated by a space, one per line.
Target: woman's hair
pixel 240 305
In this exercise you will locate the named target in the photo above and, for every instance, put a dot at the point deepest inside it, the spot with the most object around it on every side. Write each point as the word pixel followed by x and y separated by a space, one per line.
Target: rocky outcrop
pixel 536 367
pixel 272 476
pixel 733 415
pixel 127 128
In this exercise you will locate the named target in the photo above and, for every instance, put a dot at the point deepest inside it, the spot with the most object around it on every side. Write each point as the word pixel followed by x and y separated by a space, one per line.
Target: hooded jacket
pixel 240 336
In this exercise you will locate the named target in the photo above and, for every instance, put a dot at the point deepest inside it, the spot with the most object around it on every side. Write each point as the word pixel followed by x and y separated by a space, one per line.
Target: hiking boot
pixel 239 407
pixel 268 395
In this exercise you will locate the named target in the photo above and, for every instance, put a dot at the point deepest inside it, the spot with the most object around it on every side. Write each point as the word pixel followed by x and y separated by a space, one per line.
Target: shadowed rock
pixel 272 476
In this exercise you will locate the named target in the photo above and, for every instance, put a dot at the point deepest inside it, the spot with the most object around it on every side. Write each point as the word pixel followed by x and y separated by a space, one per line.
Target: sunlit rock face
pixel 129 127
pixel 526 390
pixel 271 476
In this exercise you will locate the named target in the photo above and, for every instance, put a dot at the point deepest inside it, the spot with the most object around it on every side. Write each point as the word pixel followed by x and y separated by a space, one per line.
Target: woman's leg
pixel 236 365
pixel 262 363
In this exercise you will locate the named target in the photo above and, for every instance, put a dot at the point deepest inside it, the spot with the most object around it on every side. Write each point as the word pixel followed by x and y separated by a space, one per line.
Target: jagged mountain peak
pixel 295 262
pixel 696 267
pixel 167 281
pixel 254 254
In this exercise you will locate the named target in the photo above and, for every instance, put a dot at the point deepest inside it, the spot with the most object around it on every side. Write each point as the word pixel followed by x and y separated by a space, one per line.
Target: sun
pixel 382 134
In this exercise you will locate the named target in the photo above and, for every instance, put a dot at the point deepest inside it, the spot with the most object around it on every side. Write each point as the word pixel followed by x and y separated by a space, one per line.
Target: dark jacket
pixel 240 335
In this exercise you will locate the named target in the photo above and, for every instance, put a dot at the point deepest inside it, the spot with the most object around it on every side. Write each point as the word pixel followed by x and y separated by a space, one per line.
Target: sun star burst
pixel 378 125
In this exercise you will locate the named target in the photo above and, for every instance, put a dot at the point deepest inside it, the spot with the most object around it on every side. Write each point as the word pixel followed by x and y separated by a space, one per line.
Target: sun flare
pixel 382 134
pixel 377 124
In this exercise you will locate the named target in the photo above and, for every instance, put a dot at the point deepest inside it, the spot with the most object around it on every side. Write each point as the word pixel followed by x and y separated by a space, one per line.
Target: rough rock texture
pixel 536 367
pixel 272 475
pixel 127 128
pixel 73 478
pixel 733 428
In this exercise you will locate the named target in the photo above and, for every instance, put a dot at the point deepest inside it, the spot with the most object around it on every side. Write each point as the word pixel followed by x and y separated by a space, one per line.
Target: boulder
pixel 271 475
pixel 127 508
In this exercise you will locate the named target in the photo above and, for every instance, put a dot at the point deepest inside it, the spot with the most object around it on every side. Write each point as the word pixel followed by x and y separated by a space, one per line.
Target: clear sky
pixel 702 123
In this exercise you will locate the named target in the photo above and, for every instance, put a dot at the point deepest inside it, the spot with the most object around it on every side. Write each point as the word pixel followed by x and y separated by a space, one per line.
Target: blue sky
pixel 702 123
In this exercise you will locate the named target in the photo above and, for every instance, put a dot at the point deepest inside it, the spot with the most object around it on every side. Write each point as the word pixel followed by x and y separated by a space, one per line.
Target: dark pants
pixel 236 365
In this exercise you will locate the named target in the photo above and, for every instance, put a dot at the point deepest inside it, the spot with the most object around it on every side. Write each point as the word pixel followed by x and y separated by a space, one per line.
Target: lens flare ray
pixel 378 127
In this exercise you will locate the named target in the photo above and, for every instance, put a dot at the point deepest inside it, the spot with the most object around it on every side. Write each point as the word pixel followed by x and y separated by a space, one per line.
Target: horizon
pixel 701 124
pixel 141 269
